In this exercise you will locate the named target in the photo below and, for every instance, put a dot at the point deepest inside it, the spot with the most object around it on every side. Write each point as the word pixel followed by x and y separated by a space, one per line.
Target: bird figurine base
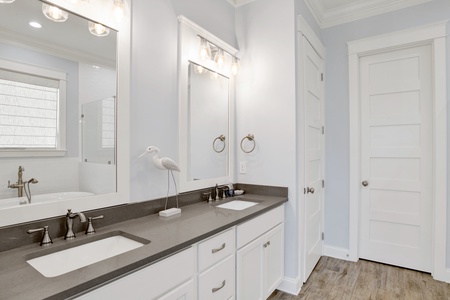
pixel 170 212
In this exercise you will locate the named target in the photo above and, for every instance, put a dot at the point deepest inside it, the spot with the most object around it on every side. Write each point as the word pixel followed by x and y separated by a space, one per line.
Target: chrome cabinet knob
pixel 365 183
pixel 310 190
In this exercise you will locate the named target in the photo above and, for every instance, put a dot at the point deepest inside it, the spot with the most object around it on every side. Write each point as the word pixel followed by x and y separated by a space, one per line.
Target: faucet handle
pixel 90 228
pixel 46 239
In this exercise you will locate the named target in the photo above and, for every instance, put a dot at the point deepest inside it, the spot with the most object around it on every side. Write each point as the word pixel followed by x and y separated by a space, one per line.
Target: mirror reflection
pixel 57 106
pixel 208 123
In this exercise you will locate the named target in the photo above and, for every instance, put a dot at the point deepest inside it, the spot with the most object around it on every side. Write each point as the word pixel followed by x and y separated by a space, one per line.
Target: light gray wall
pixel 154 81
pixel 337 104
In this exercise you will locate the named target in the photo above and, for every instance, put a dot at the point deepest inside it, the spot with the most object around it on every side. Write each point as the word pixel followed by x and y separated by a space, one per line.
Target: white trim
pixel 291 285
pixel 434 35
pixel 355 11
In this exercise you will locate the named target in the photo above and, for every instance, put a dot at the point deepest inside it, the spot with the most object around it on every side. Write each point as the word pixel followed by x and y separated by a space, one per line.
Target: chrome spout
pixel 70 216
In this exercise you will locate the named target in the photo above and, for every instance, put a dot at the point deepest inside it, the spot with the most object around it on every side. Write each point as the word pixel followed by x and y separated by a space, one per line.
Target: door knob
pixel 310 190
pixel 365 183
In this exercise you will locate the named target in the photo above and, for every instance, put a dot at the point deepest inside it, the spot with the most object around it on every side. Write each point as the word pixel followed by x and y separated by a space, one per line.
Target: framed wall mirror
pixel 206 110
pixel 77 163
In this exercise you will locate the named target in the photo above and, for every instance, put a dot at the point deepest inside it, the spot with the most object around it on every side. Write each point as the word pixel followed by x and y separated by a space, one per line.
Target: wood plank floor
pixel 337 279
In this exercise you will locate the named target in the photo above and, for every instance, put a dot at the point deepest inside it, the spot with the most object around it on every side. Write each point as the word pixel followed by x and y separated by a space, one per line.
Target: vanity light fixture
pixel 54 13
pixel 209 51
pixel 199 69
pixel 205 50
pixel 98 29
pixel 219 58
pixel 118 10
pixel 7 1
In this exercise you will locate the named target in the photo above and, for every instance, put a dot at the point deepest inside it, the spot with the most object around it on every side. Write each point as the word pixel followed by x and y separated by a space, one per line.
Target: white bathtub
pixel 11 202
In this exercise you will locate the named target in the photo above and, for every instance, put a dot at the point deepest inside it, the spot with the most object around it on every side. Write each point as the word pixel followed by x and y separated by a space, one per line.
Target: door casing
pixel 434 35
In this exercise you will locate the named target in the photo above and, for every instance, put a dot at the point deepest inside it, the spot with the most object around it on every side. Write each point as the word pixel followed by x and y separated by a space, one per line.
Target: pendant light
pixel 54 13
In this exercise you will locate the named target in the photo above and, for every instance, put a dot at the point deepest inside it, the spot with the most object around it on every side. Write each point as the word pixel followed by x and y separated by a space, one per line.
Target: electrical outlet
pixel 242 167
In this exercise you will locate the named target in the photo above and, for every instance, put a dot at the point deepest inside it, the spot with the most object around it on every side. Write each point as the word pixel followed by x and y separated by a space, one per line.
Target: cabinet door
pixel 249 271
pixel 183 292
pixel 273 248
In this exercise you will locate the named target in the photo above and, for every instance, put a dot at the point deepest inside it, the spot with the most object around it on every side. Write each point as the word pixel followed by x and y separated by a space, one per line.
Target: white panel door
pixel 313 117
pixel 396 158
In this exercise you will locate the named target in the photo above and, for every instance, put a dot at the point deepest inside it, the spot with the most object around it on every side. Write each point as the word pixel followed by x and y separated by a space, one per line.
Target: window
pixel 32 110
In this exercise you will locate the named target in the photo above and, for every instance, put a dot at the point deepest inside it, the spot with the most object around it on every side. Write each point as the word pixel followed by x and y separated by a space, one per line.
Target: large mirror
pixel 79 159
pixel 206 110
pixel 208 107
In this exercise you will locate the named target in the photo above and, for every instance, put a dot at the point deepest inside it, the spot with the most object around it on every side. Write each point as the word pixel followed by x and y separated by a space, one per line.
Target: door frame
pixel 434 35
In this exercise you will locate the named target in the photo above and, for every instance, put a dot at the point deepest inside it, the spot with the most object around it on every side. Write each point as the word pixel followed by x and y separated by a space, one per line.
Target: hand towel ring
pixel 251 138
pixel 222 139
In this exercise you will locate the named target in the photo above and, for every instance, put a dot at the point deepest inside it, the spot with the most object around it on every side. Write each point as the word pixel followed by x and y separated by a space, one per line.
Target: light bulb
pixel 214 75
pixel 7 1
pixel 98 29
pixel 199 69
pixel 118 10
pixel 235 66
pixel 219 58
pixel 54 13
pixel 205 51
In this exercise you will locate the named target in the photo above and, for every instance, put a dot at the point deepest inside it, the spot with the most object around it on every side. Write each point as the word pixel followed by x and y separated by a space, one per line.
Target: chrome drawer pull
pixel 218 249
pixel 219 288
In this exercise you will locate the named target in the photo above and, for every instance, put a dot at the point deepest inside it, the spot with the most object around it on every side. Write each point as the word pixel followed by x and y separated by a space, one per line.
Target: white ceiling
pixel 334 12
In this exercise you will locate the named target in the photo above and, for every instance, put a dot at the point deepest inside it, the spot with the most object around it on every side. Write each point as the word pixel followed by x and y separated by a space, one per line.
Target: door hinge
pixel 323 129
pixel 323 236
pixel 321 76
pixel 323 183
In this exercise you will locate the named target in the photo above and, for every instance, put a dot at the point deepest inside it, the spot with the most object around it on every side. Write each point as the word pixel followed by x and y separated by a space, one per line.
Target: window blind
pixel 28 111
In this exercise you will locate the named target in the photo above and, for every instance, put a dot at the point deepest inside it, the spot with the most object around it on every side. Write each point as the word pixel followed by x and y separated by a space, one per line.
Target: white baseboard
pixel 336 252
pixel 291 285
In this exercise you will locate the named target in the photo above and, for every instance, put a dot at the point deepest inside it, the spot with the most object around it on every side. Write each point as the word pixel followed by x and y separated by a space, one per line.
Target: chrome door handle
pixel 310 190
pixel 365 183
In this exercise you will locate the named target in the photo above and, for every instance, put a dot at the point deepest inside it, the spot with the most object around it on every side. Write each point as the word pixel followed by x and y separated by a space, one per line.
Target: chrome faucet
pixel 69 223
pixel 19 184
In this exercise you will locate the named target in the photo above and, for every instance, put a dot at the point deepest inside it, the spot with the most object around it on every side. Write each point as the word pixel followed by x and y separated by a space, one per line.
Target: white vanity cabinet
pixel 216 265
pixel 168 279
pixel 260 255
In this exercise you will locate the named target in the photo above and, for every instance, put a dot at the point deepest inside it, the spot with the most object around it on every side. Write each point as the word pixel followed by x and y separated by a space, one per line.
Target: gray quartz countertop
pixel 18 280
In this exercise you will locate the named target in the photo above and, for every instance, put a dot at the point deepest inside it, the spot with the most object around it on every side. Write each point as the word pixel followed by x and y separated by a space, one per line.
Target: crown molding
pixel 355 11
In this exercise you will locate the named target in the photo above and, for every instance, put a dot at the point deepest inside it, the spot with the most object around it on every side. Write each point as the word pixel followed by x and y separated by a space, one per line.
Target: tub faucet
pixel 19 184
pixel 69 223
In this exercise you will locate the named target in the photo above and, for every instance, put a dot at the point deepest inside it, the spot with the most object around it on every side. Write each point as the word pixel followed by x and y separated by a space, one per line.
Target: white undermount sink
pixel 237 205
pixel 66 260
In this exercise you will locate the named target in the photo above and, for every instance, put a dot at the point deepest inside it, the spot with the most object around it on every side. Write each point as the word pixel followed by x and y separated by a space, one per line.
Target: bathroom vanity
pixel 206 252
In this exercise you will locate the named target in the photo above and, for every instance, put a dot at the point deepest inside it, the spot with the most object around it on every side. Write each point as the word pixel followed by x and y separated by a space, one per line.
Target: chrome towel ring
pixel 222 139
pixel 251 138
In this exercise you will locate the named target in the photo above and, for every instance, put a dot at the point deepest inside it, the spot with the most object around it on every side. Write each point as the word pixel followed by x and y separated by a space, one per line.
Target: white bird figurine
pixel 163 163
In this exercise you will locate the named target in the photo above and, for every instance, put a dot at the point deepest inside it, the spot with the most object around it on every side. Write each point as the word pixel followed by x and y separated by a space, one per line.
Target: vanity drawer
pixel 215 249
pixel 252 229
pixel 218 282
